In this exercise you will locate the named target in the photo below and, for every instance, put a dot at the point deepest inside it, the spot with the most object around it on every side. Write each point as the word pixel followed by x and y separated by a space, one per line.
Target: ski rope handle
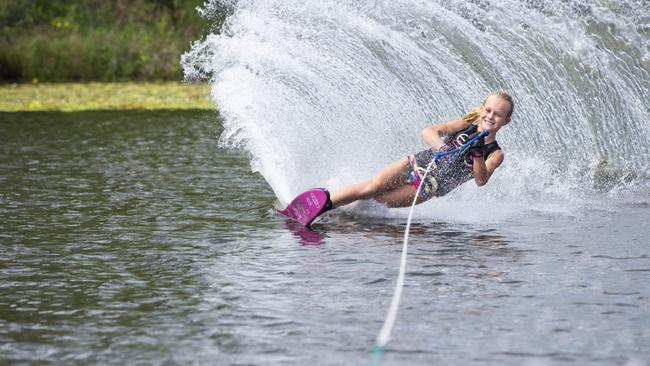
pixel 462 149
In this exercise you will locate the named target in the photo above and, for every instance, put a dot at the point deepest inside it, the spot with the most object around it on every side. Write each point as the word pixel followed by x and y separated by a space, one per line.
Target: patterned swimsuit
pixel 449 172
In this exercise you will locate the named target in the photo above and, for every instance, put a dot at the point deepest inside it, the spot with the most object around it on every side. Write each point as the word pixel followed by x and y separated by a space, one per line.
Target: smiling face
pixel 494 114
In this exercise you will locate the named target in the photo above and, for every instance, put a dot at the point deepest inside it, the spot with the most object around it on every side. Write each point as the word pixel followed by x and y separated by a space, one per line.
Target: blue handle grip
pixel 461 149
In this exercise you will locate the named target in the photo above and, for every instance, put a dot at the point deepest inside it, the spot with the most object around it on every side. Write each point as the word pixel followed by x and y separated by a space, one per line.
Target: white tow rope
pixel 384 334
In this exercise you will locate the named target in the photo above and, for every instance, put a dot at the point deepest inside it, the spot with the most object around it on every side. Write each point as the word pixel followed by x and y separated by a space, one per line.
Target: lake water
pixel 132 238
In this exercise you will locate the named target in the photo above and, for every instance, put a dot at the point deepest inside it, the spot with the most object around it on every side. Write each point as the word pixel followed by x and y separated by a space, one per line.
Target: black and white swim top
pixel 451 172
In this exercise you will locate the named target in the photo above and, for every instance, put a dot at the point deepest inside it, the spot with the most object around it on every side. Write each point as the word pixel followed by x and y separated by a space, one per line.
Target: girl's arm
pixel 433 135
pixel 483 168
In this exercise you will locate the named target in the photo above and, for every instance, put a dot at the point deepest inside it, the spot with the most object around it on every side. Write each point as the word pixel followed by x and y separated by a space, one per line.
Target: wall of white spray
pixel 325 93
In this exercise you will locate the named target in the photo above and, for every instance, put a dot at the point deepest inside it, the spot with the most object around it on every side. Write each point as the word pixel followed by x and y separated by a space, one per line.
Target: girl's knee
pixel 369 190
pixel 375 187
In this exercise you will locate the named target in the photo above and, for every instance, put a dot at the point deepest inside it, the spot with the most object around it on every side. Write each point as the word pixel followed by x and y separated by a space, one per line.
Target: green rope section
pixel 377 352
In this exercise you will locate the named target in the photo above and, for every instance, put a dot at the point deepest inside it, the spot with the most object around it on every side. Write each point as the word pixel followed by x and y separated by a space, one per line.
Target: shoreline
pixel 74 97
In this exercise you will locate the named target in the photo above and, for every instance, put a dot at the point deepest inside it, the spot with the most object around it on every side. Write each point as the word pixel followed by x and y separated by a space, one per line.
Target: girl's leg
pixel 399 197
pixel 391 177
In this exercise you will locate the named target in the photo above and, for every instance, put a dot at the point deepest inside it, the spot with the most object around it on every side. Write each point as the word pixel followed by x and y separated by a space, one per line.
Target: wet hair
pixel 473 115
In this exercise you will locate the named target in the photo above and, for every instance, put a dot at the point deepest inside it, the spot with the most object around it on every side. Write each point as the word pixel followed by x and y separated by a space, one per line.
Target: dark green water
pixel 104 218
pixel 132 238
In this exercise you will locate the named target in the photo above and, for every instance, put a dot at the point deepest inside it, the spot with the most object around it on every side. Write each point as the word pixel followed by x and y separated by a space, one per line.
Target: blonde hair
pixel 473 115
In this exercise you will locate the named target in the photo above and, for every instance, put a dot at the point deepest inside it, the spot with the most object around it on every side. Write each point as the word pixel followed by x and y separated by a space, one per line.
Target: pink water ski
pixel 307 206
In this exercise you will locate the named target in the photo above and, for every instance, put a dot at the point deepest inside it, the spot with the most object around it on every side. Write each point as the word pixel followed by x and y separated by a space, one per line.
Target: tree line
pixel 97 40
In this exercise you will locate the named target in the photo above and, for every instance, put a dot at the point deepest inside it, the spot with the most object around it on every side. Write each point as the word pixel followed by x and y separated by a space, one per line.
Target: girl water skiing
pixel 396 185
pixel 470 151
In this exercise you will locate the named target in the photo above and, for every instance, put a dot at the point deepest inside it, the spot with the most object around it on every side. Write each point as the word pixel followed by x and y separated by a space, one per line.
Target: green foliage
pixel 104 96
pixel 58 40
